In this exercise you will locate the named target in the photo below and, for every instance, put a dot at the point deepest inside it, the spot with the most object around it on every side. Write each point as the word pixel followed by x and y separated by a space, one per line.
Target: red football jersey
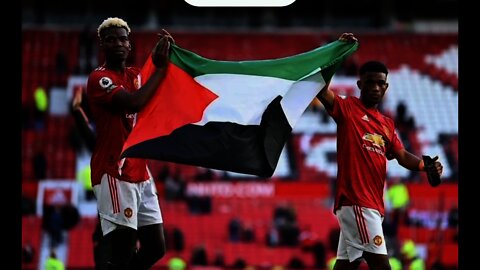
pixel 365 140
pixel 113 125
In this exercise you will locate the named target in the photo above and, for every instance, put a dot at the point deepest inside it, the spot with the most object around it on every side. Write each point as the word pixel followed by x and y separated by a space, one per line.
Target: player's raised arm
pixel 327 96
pixel 135 101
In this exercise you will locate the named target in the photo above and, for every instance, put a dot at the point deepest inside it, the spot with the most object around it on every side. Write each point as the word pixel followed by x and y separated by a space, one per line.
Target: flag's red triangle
pixel 180 100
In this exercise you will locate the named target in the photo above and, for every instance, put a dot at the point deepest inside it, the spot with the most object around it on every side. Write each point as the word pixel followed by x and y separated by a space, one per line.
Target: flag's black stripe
pixel 223 145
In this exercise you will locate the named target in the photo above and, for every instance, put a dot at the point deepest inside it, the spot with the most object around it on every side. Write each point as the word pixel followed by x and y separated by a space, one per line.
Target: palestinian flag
pixel 226 115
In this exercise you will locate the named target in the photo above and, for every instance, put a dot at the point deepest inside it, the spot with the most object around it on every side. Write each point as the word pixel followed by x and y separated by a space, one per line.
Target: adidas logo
pixel 365 117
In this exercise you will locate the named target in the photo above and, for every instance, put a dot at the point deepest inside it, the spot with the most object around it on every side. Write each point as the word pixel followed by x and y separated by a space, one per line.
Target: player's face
pixel 373 86
pixel 115 43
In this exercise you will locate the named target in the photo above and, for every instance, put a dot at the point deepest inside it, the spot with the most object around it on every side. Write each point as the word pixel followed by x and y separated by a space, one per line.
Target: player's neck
pixel 369 105
pixel 116 66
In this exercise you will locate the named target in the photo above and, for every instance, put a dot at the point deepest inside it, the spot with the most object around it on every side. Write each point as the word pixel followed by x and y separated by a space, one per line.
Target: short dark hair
pixel 373 66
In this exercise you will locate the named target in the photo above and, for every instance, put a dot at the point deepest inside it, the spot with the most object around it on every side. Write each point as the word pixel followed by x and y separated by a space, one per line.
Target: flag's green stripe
pixel 327 58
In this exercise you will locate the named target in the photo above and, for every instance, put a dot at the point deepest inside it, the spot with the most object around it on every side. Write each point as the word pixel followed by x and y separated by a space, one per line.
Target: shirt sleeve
pixel 339 108
pixel 396 145
pixel 101 88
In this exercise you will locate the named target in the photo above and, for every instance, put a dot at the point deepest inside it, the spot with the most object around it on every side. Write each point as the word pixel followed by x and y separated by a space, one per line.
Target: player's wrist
pixel 421 165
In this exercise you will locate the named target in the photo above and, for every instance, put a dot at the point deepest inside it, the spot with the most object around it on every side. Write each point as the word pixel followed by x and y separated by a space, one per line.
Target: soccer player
pixel 126 195
pixel 366 139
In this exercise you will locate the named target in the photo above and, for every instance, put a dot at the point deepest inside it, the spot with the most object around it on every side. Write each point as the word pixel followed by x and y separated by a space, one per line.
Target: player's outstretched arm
pixel 327 96
pixel 431 166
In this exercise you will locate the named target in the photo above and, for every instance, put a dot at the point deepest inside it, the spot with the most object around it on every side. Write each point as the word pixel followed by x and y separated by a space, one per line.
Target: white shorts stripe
pixel 112 184
pixel 362 228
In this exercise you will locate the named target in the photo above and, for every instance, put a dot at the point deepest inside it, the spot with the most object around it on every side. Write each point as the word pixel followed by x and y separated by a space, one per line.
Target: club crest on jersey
pixel 136 82
pixel 128 212
pixel 106 83
pixel 377 240
pixel 387 132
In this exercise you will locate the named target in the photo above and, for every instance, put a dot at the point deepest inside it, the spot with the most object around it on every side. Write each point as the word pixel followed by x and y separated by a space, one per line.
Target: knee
pixel 158 249
pixel 386 266
pixel 154 254
pixel 159 253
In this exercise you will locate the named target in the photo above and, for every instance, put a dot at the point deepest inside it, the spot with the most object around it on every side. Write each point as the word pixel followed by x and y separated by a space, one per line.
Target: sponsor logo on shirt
pixel 132 117
pixel 376 142
pixel 374 138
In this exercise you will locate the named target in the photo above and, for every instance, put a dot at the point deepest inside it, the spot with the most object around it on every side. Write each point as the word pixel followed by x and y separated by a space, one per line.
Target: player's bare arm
pixel 135 101
pixel 414 163
pixel 327 96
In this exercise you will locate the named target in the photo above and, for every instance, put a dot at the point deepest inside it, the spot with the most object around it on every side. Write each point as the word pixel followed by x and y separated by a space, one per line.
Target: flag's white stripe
pixel 300 95
pixel 244 98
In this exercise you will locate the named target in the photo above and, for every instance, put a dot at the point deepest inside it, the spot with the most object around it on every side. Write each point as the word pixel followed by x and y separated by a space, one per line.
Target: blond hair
pixel 112 22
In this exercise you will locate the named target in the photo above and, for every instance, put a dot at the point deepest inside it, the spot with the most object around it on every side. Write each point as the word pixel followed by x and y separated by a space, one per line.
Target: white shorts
pixel 360 230
pixel 128 204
